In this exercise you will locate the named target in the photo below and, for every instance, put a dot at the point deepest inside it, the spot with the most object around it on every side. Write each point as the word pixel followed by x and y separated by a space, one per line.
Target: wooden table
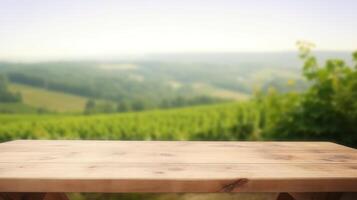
pixel 44 169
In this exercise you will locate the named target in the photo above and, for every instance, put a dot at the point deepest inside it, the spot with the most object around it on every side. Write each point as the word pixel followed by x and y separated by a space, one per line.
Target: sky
pixel 77 29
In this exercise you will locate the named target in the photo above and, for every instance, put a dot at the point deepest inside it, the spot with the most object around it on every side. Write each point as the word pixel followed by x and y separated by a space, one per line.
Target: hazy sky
pixel 67 29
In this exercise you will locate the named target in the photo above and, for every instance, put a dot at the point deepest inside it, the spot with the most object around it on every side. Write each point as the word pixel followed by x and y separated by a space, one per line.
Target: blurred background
pixel 178 70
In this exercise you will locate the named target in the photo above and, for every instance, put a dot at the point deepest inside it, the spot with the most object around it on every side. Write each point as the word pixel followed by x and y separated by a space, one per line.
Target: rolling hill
pixel 49 100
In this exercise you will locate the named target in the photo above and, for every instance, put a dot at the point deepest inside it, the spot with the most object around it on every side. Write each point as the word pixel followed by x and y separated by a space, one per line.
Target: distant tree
pixel 138 105
pixel 179 101
pixel 123 106
pixel 90 105
pixel 165 103
pixel 41 111
pixel 107 108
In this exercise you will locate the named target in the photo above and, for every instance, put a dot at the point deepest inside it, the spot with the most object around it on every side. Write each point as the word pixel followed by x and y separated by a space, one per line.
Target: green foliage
pixel 355 58
pixel 310 67
pixel 328 109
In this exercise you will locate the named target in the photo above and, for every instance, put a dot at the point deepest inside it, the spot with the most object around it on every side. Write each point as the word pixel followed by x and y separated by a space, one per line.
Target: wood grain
pixel 154 166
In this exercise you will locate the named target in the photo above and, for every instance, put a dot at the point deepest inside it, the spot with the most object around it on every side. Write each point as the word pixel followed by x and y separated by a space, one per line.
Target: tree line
pixel 93 107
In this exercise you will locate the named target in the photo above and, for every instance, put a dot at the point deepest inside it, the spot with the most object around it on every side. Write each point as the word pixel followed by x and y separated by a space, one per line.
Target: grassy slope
pixel 16 108
pixel 50 100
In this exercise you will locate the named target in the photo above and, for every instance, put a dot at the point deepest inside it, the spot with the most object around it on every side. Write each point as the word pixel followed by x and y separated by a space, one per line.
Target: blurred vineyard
pixel 327 110
pixel 229 121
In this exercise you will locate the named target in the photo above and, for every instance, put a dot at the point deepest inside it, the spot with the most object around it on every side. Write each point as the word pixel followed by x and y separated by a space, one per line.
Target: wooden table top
pixel 155 166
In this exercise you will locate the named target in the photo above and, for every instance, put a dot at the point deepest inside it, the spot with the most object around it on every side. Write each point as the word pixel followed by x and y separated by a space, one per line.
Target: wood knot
pixel 231 186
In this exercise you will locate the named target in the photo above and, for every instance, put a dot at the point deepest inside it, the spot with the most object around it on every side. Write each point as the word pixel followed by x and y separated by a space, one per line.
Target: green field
pixel 50 100
pixel 16 108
